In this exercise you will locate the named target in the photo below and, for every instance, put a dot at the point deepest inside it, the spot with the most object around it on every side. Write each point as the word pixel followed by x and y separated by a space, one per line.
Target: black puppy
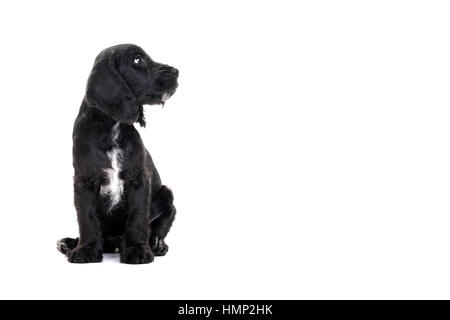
pixel 120 201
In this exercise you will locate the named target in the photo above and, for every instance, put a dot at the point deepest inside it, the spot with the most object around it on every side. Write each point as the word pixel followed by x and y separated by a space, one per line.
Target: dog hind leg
pixel 162 215
pixel 66 244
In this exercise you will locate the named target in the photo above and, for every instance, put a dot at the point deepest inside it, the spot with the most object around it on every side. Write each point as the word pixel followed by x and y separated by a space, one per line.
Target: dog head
pixel 124 78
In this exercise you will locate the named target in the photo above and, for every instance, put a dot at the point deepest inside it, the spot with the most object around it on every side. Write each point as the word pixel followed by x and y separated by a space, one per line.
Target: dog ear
pixel 107 91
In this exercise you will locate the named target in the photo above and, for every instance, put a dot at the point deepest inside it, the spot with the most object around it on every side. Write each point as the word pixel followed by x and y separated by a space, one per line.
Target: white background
pixel 307 147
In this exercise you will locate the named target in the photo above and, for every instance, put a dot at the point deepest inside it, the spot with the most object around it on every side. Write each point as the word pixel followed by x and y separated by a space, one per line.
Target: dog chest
pixel 114 187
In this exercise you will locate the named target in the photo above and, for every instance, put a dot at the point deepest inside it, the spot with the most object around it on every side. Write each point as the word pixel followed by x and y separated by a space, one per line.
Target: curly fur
pixel 120 201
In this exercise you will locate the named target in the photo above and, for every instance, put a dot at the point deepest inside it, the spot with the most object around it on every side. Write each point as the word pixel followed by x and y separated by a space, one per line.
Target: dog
pixel 120 202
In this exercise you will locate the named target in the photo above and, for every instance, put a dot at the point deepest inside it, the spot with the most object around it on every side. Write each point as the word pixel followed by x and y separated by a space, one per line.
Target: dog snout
pixel 167 77
pixel 168 70
pixel 174 71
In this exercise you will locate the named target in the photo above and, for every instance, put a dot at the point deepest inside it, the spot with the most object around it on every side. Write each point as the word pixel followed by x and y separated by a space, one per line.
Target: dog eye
pixel 138 59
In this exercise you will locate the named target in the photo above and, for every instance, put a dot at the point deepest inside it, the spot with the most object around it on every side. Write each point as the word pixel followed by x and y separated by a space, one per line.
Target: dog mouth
pixel 160 98
pixel 165 97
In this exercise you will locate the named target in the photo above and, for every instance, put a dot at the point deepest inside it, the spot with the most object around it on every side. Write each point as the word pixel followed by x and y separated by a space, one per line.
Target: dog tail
pixel 66 244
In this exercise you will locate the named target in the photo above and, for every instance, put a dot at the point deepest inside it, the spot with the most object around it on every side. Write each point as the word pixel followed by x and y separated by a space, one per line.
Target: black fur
pixel 123 79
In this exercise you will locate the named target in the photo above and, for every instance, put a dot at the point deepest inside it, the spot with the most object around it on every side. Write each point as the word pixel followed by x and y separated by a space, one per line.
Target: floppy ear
pixel 107 91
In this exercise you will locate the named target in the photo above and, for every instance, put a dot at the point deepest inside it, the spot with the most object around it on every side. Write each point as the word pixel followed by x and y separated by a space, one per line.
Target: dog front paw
pixel 85 255
pixel 138 254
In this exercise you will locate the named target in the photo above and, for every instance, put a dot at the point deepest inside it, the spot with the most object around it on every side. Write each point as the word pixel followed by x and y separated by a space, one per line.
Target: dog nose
pixel 174 71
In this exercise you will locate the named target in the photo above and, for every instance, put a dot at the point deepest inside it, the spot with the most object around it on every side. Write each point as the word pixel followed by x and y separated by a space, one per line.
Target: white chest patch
pixel 114 188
